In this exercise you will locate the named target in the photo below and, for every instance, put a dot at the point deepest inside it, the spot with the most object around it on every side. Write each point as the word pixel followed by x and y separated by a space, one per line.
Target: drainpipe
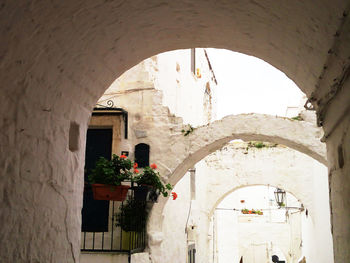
pixel 193 197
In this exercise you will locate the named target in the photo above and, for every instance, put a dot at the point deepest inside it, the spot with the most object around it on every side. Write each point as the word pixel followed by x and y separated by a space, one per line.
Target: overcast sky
pixel 247 84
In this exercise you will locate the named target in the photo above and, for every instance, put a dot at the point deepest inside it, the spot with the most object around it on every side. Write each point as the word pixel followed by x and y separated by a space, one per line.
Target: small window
pixel 142 155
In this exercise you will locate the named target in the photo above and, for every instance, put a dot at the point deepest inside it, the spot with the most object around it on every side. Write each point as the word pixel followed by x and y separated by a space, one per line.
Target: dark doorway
pixel 95 212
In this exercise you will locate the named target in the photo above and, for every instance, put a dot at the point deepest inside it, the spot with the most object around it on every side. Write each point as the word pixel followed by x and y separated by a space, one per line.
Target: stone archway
pixel 185 151
pixel 58 58
pixel 276 166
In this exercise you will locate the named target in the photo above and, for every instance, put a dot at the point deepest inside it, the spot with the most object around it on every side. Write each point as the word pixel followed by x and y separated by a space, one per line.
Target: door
pixel 95 213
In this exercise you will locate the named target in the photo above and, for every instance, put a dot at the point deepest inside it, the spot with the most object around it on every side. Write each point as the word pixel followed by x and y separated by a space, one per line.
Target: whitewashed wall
pixel 183 91
pixel 255 237
pixel 233 167
pixel 143 91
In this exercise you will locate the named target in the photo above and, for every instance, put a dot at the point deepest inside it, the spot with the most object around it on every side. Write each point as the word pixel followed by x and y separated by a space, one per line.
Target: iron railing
pixel 115 240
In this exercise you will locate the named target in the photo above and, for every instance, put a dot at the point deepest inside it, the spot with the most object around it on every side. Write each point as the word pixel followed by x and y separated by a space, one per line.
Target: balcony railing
pixel 115 240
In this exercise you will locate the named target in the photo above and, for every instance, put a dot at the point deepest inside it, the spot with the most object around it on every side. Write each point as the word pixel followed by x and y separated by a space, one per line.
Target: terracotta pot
pixel 110 192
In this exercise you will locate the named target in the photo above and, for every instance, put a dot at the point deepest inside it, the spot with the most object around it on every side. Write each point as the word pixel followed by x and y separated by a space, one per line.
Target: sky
pixel 247 84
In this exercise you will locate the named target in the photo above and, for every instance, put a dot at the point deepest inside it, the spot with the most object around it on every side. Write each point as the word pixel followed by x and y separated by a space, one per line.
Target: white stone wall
pixel 149 85
pixel 256 237
pixel 58 58
pixel 183 91
pixel 337 136
pixel 236 166
pixel 151 123
pixel 170 73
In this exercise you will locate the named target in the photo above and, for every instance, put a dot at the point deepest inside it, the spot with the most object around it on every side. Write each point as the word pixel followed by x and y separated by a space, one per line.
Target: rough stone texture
pixel 58 57
pixel 333 102
pixel 338 144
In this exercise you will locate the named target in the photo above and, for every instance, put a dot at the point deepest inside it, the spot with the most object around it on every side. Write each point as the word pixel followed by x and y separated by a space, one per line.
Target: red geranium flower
pixel 136 171
pixel 174 195
pixel 123 156
pixel 153 166
pixel 135 165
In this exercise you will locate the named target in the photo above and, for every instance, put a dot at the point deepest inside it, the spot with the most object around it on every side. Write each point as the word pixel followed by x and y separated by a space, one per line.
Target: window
pixel 142 154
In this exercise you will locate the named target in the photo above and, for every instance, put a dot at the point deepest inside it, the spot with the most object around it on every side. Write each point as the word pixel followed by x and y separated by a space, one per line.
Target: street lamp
pixel 280 196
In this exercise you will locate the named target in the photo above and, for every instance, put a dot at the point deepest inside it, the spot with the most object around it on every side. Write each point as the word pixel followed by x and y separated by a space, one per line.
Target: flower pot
pixel 144 193
pixel 110 192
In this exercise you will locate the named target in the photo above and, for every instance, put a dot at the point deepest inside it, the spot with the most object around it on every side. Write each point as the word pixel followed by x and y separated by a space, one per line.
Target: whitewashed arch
pixel 183 152
pixel 235 167
pixel 57 60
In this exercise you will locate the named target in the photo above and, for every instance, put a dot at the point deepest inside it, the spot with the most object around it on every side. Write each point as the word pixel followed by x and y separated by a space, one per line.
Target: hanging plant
pixel 111 172
pixel 151 177
pixel 107 176
pixel 254 212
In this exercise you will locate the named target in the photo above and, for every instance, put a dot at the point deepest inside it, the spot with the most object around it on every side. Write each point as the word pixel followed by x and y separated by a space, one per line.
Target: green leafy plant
pixel 151 177
pixel 253 211
pixel 258 145
pixel 297 118
pixel 188 131
pixel 132 216
pixel 111 172
pixel 245 211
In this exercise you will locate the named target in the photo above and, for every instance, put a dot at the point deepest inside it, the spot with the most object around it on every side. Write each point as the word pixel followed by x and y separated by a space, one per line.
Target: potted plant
pixel 107 176
pixel 149 185
pixel 131 218
pixel 245 211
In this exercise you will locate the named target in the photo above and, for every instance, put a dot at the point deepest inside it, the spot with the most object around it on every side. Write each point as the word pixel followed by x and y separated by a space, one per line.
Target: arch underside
pixel 104 40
